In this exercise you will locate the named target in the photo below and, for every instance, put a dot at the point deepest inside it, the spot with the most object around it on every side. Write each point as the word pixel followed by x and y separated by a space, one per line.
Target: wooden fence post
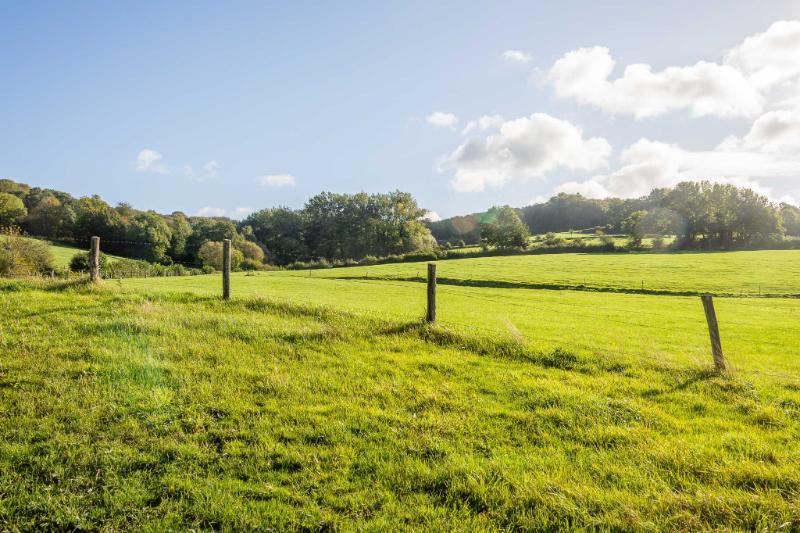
pixel 431 316
pixel 94 260
pixel 713 332
pixel 226 269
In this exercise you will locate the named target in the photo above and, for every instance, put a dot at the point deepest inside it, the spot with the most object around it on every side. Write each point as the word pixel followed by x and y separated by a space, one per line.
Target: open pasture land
pixel 139 409
pixel 774 272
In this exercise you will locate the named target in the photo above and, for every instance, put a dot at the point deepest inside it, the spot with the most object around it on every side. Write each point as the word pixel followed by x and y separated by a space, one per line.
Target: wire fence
pixel 597 325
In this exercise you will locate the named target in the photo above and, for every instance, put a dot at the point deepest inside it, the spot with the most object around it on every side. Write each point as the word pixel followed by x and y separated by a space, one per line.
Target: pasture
pixel 318 400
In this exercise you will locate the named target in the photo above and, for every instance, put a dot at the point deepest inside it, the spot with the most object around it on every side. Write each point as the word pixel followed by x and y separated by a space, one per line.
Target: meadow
pixel 319 400
pixel 760 272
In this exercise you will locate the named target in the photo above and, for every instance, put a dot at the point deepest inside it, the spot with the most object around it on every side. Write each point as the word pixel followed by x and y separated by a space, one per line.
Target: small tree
pixel 210 254
pixel 12 209
pixel 506 230
pixel 634 228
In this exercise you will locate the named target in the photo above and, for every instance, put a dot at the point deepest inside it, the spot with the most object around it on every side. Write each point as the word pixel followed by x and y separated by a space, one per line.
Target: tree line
pixel 329 227
pixel 700 214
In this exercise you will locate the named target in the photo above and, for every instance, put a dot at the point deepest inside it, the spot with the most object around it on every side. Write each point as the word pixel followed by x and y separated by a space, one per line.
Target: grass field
pixel 748 272
pixel 322 402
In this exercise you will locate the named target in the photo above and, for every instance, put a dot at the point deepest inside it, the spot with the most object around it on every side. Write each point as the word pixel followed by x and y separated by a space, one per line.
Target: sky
pixel 221 108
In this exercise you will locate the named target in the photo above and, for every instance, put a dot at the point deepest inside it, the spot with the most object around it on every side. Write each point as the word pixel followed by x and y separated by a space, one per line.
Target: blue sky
pixel 228 106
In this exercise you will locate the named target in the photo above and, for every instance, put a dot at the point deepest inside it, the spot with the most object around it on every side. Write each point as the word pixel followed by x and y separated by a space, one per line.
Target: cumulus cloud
pixel 773 132
pixel 276 180
pixel 209 211
pixel 432 216
pixel 516 56
pixel 523 148
pixel 647 164
pixel 704 88
pixel 761 73
pixel 486 122
pixel 771 58
pixel 150 160
pixel 441 119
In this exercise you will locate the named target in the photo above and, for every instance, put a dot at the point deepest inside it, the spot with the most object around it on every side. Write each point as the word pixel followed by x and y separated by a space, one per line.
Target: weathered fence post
pixel 713 332
pixel 94 260
pixel 431 316
pixel 226 269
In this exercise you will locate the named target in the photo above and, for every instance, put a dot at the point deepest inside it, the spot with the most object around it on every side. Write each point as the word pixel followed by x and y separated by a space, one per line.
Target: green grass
pixel 320 401
pixel 123 410
pixel 63 253
pixel 747 272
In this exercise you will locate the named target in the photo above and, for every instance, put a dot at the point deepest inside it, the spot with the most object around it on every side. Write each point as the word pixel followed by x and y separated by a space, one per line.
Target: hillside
pixel 157 411
pixel 63 253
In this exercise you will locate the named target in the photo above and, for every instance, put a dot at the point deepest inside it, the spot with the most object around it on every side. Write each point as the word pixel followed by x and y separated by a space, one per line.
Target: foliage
pixel 152 229
pixel 251 251
pixel 23 257
pixel 504 229
pixel 210 254
pixel 791 219
pixel 81 262
pixel 12 209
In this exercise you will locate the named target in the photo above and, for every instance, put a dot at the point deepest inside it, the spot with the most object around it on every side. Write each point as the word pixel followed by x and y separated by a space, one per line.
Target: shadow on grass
pixel 504 348
pixel 498 284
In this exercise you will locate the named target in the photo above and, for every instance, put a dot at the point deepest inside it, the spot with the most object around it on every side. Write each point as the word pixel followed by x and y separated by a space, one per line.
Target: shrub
pixel 368 260
pixel 658 242
pixel 551 239
pixel 24 257
pixel 207 269
pixel 210 254
pixel 80 262
pixel 250 265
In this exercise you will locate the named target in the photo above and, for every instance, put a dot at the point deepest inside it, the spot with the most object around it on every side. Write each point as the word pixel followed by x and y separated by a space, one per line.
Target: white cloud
pixel 239 213
pixel 484 123
pixel 538 199
pixel 277 180
pixel 209 211
pixel 209 170
pixel 432 216
pixel 647 164
pixel 704 88
pixel 442 120
pixel 149 160
pixel 773 132
pixel 516 56
pixel 762 72
pixel 771 58
pixel 524 148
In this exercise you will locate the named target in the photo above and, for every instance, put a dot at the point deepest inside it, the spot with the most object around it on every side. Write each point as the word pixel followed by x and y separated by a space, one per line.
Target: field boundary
pixel 498 284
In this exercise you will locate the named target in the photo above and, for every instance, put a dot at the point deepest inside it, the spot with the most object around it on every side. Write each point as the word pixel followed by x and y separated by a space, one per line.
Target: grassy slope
pixel 63 253
pixel 121 410
pixel 771 271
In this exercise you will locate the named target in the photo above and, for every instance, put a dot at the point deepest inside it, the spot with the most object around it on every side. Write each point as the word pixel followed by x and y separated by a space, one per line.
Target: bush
pixel 210 254
pixel 24 257
pixel 368 260
pixel 80 262
pixel 658 242
pixel 207 269
pixel 251 264
pixel 551 239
